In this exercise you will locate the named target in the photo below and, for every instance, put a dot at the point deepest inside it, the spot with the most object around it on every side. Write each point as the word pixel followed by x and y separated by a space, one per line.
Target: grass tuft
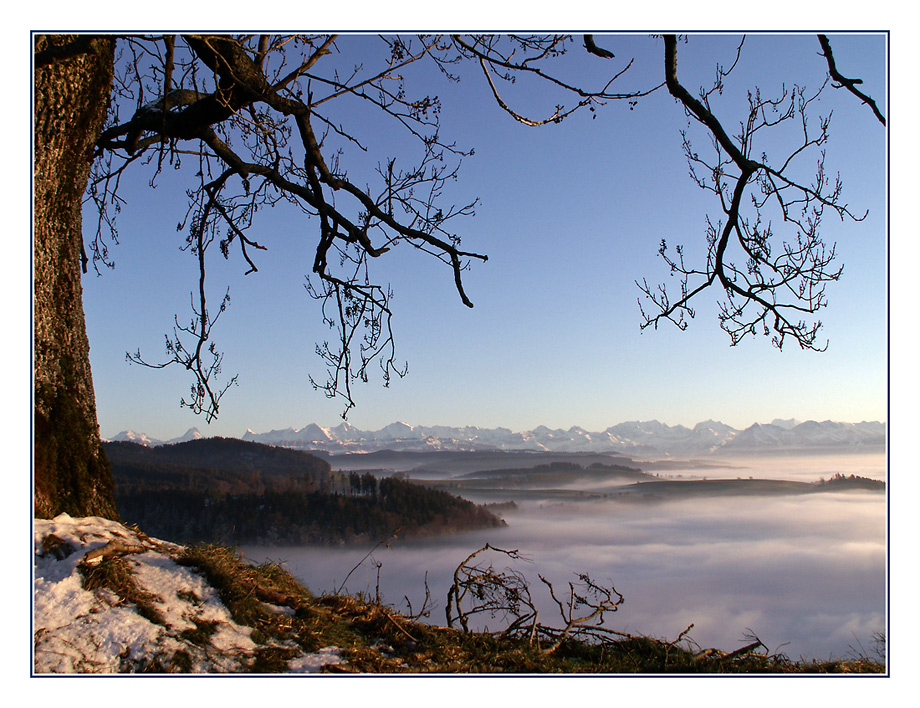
pixel 114 573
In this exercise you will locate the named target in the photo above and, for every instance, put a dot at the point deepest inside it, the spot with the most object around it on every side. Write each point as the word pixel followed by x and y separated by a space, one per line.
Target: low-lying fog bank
pixel 800 468
pixel 806 573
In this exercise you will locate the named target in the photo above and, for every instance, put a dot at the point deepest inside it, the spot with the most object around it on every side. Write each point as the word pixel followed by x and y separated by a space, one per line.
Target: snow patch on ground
pixel 82 631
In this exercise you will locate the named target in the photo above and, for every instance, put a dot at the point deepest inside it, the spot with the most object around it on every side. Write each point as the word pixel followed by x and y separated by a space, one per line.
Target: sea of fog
pixel 806 573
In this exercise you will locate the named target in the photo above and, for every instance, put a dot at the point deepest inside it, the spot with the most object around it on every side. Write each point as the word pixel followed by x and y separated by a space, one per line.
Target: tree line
pixel 235 492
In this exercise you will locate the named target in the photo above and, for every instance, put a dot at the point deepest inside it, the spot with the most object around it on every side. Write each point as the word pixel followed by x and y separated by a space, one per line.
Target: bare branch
pixel 777 285
pixel 201 359
pixel 586 605
pixel 594 49
pixel 240 120
pixel 506 594
pixel 849 84
pixel 262 121
pixel 498 593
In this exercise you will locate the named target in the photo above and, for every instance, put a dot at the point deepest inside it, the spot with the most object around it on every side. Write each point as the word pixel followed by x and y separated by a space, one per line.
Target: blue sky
pixel 570 216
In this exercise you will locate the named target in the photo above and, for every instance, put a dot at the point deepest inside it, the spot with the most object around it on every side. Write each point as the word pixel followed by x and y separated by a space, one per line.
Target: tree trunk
pixel 73 82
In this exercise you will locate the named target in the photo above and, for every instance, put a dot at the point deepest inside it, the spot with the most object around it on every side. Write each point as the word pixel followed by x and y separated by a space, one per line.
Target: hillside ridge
pixel 234 491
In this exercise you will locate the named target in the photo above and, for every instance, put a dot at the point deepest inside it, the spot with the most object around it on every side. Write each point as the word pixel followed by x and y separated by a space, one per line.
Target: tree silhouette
pixel 259 120
pixel 779 281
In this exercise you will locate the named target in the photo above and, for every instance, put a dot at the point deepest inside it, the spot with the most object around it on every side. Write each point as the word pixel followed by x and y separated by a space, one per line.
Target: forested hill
pixel 223 465
pixel 222 490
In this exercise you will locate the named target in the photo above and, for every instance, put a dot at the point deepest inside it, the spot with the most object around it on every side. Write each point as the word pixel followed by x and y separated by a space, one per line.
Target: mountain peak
pixel 398 429
pixel 190 434
pixel 135 437
pixel 647 438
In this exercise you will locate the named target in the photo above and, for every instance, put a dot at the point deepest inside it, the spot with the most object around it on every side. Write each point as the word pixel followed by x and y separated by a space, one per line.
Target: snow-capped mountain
pixel 143 439
pixel 135 437
pixel 190 434
pixel 633 437
pixel 808 435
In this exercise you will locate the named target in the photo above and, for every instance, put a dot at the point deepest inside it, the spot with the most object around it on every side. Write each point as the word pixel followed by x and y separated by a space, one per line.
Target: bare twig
pixel 479 588
pixel 383 542
pixel 776 285
pixel 112 548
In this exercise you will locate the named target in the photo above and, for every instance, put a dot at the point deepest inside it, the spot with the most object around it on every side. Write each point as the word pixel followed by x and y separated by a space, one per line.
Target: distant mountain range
pixel 635 438
pixel 143 439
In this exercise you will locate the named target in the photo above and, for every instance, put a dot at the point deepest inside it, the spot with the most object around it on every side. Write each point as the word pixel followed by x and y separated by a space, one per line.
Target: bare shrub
pixel 479 588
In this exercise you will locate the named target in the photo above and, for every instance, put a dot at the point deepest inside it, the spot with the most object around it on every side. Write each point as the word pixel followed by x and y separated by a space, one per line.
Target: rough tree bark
pixel 73 81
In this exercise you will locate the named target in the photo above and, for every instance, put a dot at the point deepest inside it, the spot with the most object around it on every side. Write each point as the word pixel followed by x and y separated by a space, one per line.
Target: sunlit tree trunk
pixel 73 81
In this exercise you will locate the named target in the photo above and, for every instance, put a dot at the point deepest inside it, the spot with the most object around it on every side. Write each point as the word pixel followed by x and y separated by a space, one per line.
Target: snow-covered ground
pixel 81 631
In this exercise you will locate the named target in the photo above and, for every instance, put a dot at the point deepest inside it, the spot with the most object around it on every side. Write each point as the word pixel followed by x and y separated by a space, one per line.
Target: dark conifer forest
pixel 222 490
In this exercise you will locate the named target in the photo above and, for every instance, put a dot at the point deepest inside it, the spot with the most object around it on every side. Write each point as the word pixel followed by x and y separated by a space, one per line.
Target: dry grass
pixel 376 639
pixel 114 573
